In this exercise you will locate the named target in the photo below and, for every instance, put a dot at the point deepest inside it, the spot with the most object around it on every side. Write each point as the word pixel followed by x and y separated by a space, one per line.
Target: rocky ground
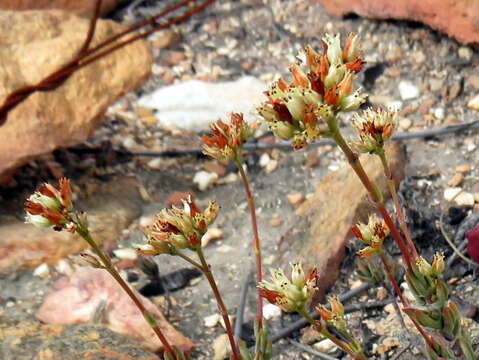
pixel 431 78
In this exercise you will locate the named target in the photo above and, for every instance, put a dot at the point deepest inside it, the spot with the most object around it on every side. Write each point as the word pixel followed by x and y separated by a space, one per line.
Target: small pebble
pixel 465 53
pixel 408 90
pixel 264 160
pixel 212 320
pixel 155 163
pixel 275 220
pixel 204 179
pixel 404 123
pixel 439 113
pixel 474 103
pixel 295 199
pixel 464 168
pixel 326 346
pixel 126 253
pixel 456 180
pixel 213 233
pixel 271 311
pixel 42 270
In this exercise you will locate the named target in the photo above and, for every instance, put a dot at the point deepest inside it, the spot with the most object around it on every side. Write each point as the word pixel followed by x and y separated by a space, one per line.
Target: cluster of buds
pixel 424 281
pixel 51 207
pixel 335 315
pixel 178 228
pixel 290 294
pixel 372 234
pixel 301 109
pixel 374 127
pixel 225 140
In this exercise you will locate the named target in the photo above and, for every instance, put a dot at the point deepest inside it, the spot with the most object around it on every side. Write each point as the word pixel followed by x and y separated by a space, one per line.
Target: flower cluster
pixel 290 294
pixel 226 139
pixel 373 234
pixel 300 110
pixel 374 127
pixel 50 207
pixel 335 316
pixel 178 228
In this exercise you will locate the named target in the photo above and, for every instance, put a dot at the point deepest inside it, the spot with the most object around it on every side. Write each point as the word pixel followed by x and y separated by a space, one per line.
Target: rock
pixel 271 166
pixel 212 234
pixel 456 180
pixel 42 270
pixel 473 80
pixel 474 103
pixel 84 7
pixel 295 199
pixel 76 299
pixel 321 225
pixel 465 53
pixel 69 114
pixel 275 220
pixel 451 193
pixel 404 123
pixel 326 346
pixel 407 90
pixel 193 104
pixel 436 84
pixel 464 168
pixel 465 199
pixel 204 179
pixel 215 166
pixel 271 311
pixel 27 339
pixel 221 347
pixel 23 245
pixel 456 18
pixel 176 198
pixel 126 253
pixel 212 320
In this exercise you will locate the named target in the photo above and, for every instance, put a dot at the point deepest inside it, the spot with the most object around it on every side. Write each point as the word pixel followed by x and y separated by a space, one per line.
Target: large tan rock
pixel 76 299
pixel 35 44
pixel 24 245
pixel 457 18
pixel 322 224
pixel 83 7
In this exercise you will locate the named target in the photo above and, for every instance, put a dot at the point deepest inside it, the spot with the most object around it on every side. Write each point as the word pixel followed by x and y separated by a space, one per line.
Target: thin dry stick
pixel 256 239
pixel 221 305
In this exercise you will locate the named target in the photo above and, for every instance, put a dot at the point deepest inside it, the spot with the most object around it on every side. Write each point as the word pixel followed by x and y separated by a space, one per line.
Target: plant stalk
pixel 397 204
pixel 221 305
pixel 85 234
pixel 339 343
pixel 256 239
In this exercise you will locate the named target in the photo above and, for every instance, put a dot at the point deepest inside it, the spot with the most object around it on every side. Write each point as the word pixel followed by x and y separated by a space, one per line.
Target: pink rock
pixel 75 300
pixel 457 18
pixel 82 7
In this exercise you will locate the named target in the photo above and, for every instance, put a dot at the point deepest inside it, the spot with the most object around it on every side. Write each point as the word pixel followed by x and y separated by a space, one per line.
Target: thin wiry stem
pixel 256 239
pixel 106 262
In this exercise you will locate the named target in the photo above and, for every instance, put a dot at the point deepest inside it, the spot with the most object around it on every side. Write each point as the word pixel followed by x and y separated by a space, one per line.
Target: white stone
pixel 465 53
pixel 204 179
pixel 221 347
pixel 126 253
pixel 465 198
pixel 193 104
pixel 213 233
pixel 451 193
pixel 408 90
pixel 439 113
pixel 271 311
pixel 264 160
pixel 42 270
pixel 326 346
pixel 64 267
pixel 212 320
pixel 474 103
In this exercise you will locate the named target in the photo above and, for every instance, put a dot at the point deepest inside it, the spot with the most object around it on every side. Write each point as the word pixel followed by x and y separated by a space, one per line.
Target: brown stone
pixel 83 7
pixel 35 44
pixel 29 339
pixel 24 245
pixel 322 224
pixel 76 299
pixel 456 18
pixel 176 198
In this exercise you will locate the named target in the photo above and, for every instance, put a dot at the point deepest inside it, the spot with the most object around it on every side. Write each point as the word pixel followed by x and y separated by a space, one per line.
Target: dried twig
pixel 312 351
pixel 285 145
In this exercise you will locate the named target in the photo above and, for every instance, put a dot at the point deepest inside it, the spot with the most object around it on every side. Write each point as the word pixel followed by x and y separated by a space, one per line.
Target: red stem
pixel 256 239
